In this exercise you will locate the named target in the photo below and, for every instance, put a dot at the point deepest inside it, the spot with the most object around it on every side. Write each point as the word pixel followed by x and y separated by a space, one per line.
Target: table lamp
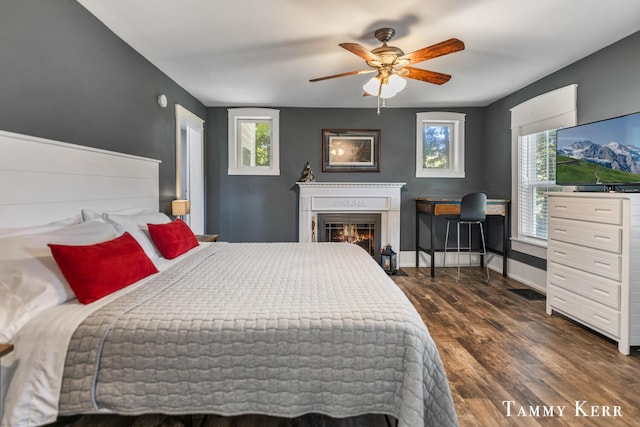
pixel 179 208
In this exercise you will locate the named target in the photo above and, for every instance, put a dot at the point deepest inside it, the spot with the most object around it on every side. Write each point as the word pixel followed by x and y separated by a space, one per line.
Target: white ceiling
pixel 263 52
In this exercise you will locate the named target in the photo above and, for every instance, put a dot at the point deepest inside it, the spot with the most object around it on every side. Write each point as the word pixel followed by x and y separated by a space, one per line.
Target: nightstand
pixel 207 237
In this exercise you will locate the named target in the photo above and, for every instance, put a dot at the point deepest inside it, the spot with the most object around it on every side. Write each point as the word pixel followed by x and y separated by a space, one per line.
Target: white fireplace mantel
pixel 351 197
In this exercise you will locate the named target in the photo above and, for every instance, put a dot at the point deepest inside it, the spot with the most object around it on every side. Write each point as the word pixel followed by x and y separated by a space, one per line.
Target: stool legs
pixel 446 243
pixel 458 255
pixel 469 248
pixel 484 249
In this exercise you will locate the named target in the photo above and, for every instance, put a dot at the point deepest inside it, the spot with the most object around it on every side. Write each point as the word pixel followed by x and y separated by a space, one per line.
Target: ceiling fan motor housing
pixel 385 34
pixel 386 54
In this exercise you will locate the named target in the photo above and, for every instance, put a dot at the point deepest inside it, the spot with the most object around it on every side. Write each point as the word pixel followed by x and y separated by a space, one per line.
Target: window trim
pixel 456 155
pixel 185 159
pixel 551 110
pixel 257 114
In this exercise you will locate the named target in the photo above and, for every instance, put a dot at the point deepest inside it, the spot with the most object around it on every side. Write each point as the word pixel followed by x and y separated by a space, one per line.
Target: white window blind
pixel 537 177
pixel 533 125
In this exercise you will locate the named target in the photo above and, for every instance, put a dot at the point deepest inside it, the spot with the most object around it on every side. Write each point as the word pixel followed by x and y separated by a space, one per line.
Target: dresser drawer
pixel 588 285
pixel 605 264
pixel 607 211
pixel 597 316
pixel 598 236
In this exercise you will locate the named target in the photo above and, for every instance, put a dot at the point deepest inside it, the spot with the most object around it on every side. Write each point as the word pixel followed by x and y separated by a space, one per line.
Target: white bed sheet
pixel 34 369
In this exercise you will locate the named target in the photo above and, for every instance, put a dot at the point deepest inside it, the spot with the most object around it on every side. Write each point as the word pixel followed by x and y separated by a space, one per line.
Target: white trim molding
pixel 351 197
pixel 238 116
pixel 455 123
pixel 550 110
pixel 531 276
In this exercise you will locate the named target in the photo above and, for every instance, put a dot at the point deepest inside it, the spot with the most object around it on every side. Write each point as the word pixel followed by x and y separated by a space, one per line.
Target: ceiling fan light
pixel 389 89
pixel 372 86
pixel 396 82
pixel 387 92
pixel 394 85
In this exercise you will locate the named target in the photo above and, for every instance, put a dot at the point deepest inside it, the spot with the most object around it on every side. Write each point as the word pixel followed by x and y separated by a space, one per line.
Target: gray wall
pixel 608 86
pixel 265 208
pixel 65 76
pixel 249 208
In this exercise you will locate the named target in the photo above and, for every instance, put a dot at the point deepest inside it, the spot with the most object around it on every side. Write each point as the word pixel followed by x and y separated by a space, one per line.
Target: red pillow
pixel 172 239
pixel 94 271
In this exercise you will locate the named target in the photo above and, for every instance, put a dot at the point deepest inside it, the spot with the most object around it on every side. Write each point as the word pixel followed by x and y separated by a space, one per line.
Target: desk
pixel 451 206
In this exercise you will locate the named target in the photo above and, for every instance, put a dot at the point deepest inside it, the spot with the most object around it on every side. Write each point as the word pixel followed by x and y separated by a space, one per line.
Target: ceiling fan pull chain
pixel 379 93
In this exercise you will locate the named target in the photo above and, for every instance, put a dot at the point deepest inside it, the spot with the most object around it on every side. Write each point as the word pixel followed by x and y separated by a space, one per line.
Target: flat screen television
pixel 603 153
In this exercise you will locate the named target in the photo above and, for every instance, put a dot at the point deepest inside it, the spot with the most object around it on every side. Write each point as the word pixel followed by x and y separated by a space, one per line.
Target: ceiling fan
pixel 391 63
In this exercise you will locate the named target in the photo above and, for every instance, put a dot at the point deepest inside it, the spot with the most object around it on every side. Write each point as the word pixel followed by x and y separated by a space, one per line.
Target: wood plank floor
pixel 497 347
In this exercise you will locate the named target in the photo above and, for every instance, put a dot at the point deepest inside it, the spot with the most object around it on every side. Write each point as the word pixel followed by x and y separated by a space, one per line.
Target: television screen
pixel 605 153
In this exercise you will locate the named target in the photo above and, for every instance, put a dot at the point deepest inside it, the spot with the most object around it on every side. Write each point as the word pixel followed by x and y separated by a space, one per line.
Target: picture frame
pixel 351 150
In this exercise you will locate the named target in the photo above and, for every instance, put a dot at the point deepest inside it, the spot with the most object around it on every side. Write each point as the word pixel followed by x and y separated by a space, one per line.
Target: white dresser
pixel 593 262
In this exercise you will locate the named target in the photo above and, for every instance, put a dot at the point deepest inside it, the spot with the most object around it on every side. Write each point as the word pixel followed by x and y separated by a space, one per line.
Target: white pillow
pixel 136 225
pixel 30 280
pixel 42 228
pixel 94 215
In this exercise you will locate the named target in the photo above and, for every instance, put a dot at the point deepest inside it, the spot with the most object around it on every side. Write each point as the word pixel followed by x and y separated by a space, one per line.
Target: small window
pixel 440 145
pixel 254 141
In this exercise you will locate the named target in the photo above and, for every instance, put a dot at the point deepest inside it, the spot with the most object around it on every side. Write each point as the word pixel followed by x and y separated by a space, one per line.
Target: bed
pixel 227 328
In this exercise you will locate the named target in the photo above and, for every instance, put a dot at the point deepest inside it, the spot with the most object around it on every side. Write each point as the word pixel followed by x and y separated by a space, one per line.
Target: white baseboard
pixel 531 276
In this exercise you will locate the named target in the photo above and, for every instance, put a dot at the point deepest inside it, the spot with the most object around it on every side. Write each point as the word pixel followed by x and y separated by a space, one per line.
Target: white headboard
pixel 43 180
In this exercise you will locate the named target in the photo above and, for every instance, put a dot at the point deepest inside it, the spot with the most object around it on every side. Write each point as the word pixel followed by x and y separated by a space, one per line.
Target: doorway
pixel 190 166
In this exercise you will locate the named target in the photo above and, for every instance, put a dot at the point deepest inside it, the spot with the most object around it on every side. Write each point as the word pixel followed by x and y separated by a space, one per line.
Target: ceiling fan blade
pixel 348 73
pixel 359 50
pixel 439 49
pixel 426 76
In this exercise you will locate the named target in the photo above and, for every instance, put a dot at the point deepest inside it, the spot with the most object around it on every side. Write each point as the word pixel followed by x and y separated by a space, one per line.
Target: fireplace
pixel 360 229
pixel 382 199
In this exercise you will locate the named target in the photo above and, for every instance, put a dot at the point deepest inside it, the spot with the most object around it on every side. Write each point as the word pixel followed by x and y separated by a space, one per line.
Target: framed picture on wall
pixel 347 150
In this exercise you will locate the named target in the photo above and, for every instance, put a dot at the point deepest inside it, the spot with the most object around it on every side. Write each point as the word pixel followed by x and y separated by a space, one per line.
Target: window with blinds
pixel 533 132
pixel 537 172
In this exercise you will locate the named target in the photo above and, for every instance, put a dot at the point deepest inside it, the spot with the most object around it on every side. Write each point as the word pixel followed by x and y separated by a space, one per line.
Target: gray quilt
pixel 273 328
